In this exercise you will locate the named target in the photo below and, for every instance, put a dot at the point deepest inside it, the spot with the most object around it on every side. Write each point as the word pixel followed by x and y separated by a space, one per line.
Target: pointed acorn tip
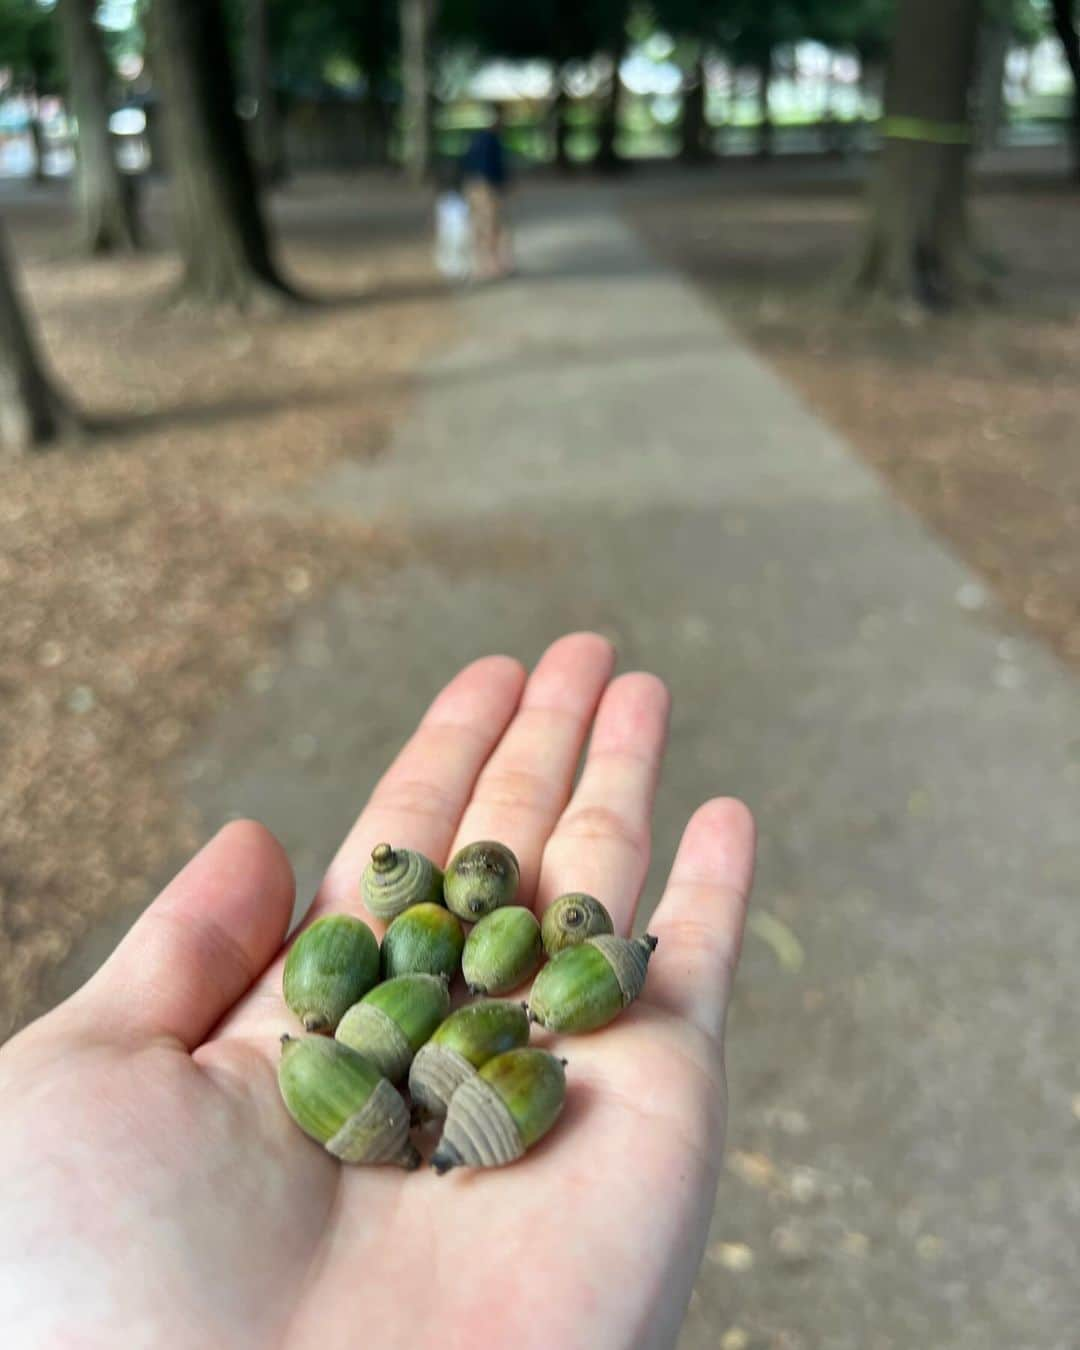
pixel 651 942
pixel 314 1023
pixel 445 1159
pixel 531 1015
pixel 285 1039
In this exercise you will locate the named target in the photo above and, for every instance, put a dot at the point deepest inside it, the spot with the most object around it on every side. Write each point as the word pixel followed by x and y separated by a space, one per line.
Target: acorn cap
pixel 586 987
pixel 500 1112
pixel 570 919
pixel 344 1103
pixel 397 878
pixel 466 1040
pixel 391 1023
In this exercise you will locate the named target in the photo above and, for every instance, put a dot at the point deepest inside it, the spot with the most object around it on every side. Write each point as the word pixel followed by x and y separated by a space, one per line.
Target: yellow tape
pixel 919 129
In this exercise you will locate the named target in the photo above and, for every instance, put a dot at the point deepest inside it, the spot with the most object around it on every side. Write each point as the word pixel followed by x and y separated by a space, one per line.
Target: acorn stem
pixel 383 857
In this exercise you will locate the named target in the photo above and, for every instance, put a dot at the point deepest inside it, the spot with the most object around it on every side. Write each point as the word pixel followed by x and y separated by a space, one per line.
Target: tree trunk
pixel 991 52
pixel 416 18
pixel 765 132
pixel 607 151
pixel 917 249
pixel 220 228
pixel 561 113
pixel 105 197
pixel 693 148
pixel 33 413
pixel 37 135
pixel 1065 26
pixel 267 146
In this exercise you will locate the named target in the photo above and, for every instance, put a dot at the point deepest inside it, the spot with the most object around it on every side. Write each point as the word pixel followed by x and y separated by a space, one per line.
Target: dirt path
pixel 599 450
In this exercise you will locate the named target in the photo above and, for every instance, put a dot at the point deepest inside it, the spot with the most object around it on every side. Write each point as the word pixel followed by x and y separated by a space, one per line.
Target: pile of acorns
pixel 473 1066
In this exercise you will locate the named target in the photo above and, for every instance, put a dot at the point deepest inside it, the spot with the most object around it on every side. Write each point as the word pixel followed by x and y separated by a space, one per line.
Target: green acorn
pixel 587 987
pixel 481 877
pixel 425 940
pixel 391 1023
pixel 344 1103
pixel 572 918
pixel 500 1112
pixel 503 950
pixel 394 879
pixel 465 1041
pixel 330 966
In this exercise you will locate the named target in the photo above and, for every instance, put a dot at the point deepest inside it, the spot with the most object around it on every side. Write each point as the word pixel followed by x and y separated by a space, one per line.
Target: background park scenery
pixel 781 397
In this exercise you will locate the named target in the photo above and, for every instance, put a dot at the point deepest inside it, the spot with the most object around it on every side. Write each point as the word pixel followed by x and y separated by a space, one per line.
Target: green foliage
pixel 29 44
pixel 557 30
pixel 333 42
pixel 747 31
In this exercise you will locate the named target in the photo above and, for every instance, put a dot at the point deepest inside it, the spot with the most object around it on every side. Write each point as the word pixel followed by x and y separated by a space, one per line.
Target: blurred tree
pixel 559 31
pixel 33 412
pixel 609 19
pixel 267 148
pixel 1066 18
pixel 335 44
pixel 30 51
pixel 105 197
pixel 918 247
pixel 223 238
pixel 416 109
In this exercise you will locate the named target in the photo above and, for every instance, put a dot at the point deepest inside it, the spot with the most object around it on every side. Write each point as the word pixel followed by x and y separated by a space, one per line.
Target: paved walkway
pixel 599 450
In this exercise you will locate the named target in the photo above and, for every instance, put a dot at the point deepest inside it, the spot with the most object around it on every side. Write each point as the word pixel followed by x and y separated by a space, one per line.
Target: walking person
pixel 486 177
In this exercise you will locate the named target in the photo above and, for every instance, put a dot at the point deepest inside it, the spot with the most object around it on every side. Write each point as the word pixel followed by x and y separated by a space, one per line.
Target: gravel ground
pixel 145 575
pixel 971 419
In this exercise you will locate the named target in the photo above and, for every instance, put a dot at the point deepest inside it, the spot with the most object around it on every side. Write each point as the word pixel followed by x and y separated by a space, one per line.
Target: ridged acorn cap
pixel 586 987
pixel 501 1111
pixel 466 1040
pixel 391 1023
pixel 397 878
pixel 571 919
pixel 344 1103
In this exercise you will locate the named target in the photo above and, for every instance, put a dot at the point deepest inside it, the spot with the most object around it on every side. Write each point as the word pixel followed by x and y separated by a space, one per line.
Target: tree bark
pixel 991 53
pixel 1065 25
pixel 693 148
pixel 607 151
pixel 267 146
pixel 37 135
pixel 223 238
pixel 105 197
pixel 416 16
pixel 560 112
pixel 33 413
pixel 917 248
pixel 765 132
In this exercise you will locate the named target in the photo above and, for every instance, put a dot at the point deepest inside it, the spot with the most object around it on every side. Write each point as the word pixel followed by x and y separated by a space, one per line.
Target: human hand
pixel 155 1193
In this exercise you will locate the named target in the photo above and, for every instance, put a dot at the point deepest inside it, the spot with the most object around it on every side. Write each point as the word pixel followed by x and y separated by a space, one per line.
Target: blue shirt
pixel 486 159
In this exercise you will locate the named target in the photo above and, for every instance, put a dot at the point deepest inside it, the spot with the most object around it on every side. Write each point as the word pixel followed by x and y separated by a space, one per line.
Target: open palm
pixel 155 1192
